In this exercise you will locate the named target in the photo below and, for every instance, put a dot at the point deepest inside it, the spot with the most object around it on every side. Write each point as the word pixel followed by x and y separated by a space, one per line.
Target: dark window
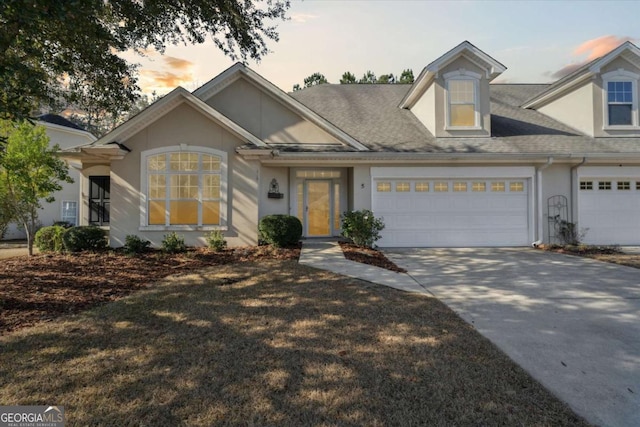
pixel 620 103
pixel 99 200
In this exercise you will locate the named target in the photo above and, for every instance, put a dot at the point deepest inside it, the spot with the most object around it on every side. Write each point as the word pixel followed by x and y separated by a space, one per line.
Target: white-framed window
pixel 620 99
pixel 462 98
pixel 183 187
pixel 69 212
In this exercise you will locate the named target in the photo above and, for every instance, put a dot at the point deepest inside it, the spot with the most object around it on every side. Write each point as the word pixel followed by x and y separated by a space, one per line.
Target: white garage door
pixel 443 212
pixel 609 210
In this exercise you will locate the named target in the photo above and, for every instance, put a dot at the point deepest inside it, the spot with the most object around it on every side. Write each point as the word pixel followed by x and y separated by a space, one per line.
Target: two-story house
pixel 451 160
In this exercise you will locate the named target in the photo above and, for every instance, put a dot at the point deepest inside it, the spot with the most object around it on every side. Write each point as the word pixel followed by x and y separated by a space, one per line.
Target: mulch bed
pixel 43 287
pixel 368 256
pixel 582 250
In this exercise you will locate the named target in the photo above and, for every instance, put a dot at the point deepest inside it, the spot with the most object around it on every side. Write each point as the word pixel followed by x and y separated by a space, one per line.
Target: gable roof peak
pixel 583 73
pixel 492 68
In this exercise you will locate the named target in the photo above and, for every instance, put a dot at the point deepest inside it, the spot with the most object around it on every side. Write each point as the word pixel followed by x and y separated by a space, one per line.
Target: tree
pixel 296 87
pixel 315 79
pixel 99 122
pixel 30 172
pixel 63 50
pixel 406 76
pixel 386 79
pixel 368 78
pixel 348 78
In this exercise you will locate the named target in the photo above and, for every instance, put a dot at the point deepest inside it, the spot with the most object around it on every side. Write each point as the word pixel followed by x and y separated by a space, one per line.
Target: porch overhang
pixel 96 153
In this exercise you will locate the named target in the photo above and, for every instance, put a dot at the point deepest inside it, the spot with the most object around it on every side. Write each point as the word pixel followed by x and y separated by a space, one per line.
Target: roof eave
pixel 545 97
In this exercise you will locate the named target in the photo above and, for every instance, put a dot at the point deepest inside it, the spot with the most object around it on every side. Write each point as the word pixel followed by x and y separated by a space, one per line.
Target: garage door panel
pixel 454 218
pixel 610 216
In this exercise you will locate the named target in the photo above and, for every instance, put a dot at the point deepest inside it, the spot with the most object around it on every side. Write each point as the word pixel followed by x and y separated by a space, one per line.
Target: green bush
pixel 49 239
pixel 362 227
pixel 215 240
pixel 135 245
pixel 84 238
pixel 280 230
pixel 173 243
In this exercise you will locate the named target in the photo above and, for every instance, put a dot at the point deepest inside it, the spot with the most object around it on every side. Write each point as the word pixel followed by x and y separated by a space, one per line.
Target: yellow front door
pixel 318 208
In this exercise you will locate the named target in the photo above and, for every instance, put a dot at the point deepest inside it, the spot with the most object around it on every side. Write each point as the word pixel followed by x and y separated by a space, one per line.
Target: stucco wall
pixel 441 101
pixel 184 125
pixel 556 181
pixel 575 109
pixel 274 206
pixel 425 109
pixel 265 117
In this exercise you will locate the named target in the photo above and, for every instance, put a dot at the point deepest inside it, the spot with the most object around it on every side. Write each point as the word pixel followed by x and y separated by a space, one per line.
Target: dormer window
pixel 620 103
pixel 621 99
pixel 463 109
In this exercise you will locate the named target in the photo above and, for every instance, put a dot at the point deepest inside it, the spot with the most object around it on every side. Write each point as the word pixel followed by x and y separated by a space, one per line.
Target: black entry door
pixel 99 195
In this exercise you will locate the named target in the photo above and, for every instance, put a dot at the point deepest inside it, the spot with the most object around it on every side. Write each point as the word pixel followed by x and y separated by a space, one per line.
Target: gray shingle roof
pixel 370 114
pixel 58 120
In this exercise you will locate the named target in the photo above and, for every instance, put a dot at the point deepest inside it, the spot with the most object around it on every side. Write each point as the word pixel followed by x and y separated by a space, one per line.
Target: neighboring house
pixel 450 160
pixel 66 205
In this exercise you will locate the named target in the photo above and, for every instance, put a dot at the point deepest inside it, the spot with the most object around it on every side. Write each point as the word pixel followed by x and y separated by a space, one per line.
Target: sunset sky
pixel 537 41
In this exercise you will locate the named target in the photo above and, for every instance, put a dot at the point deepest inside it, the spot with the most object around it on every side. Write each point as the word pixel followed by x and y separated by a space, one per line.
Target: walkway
pixel 327 255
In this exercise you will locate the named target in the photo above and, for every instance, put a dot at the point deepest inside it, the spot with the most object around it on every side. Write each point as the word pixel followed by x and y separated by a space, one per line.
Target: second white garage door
pixel 450 212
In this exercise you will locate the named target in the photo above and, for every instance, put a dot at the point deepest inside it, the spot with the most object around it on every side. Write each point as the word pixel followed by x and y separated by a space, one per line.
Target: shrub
pixel 49 239
pixel 173 243
pixel 569 234
pixel 135 245
pixel 84 238
pixel 280 230
pixel 215 240
pixel 63 224
pixel 362 227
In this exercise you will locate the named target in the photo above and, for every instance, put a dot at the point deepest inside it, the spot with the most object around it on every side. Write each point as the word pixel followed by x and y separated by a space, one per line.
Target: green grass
pixel 271 343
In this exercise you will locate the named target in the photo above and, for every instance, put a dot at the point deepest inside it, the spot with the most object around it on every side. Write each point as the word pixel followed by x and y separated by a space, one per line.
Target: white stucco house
pixel 451 160
pixel 66 205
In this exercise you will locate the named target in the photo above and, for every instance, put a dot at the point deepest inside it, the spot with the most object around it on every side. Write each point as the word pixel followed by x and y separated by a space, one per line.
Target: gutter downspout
pixel 572 191
pixel 540 229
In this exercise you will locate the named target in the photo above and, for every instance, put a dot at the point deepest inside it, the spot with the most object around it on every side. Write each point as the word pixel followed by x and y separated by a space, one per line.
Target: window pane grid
pixel 383 187
pixel 497 186
pixel 441 187
pixel 586 185
pixel 422 187
pixel 460 186
pixel 516 186
pixel 403 187
pixel 193 193
pixel 604 185
pixel 624 185
pixel 479 187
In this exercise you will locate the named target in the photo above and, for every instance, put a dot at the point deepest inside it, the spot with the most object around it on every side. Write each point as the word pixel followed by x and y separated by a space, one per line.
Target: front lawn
pixel 270 343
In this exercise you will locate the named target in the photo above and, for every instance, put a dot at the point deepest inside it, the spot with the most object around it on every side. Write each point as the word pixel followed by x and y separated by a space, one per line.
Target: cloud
pixel 301 18
pixel 167 75
pixel 161 80
pixel 596 48
pixel 177 64
pixel 590 50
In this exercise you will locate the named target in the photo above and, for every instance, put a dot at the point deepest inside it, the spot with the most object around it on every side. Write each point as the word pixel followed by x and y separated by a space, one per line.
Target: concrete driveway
pixel 572 323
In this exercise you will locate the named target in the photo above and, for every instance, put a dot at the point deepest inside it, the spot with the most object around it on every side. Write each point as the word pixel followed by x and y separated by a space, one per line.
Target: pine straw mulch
pixel 44 287
pixel 368 256
pixel 612 254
